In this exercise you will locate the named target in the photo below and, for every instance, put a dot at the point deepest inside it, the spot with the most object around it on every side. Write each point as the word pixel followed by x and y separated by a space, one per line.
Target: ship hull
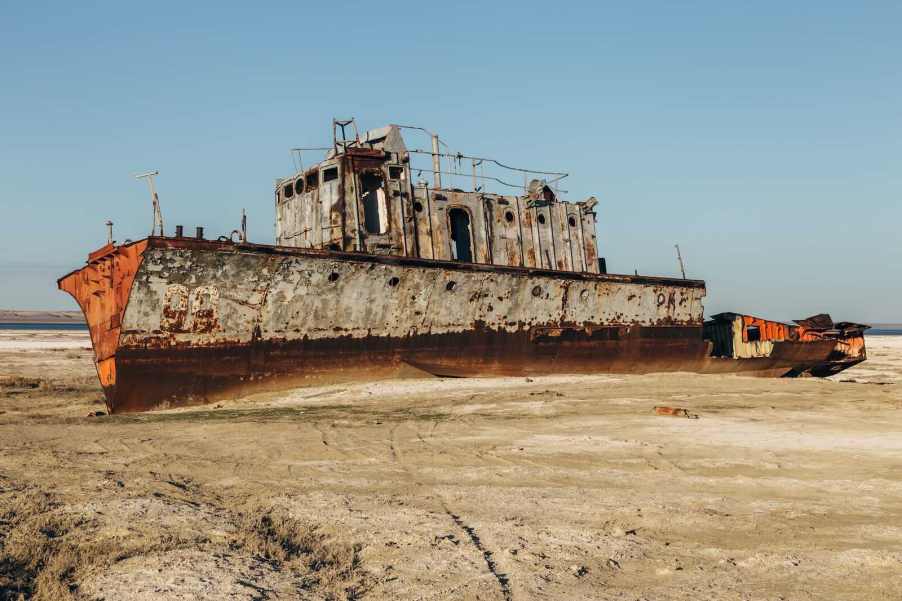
pixel 167 377
pixel 189 321
pixel 164 378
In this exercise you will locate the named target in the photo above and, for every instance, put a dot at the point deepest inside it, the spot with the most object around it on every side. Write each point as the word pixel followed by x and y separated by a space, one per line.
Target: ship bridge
pixel 362 198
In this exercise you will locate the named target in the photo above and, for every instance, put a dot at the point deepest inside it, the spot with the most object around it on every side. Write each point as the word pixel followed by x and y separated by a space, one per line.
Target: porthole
pixel 584 296
pixel 333 276
pixel 509 216
pixel 537 291
pixel 450 285
pixel 288 190
pixel 572 221
pixel 393 281
pixel 418 206
pixel 541 218
pixel 299 186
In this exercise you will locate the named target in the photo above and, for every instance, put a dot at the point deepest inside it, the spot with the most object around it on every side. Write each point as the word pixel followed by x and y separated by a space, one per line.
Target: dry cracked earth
pixel 505 488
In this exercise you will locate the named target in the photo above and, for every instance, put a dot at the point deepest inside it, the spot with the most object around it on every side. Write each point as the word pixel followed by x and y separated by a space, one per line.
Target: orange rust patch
pixel 674 411
pixel 106 371
pixel 101 289
pixel 769 330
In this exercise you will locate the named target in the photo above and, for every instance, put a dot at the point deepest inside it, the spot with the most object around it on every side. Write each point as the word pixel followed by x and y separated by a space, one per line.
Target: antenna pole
pixel 680 259
pixel 109 231
pixel 436 164
pixel 157 214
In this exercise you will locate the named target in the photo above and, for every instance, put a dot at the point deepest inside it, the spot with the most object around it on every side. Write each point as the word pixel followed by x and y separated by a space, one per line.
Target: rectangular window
pixel 311 180
pixel 395 172
pixel 330 174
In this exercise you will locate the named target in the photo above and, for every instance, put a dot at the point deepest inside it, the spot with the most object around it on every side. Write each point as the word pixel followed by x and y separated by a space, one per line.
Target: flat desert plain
pixel 419 488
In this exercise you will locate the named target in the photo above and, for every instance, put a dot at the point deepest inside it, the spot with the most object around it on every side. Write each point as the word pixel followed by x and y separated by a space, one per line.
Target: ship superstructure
pixel 362 198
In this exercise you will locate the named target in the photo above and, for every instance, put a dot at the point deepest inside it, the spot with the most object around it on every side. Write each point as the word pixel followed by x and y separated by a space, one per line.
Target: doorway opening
pixel 375 207
pixel 461 240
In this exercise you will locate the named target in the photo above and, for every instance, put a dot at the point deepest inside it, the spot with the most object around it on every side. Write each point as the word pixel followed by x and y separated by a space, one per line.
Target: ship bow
pixel 101 288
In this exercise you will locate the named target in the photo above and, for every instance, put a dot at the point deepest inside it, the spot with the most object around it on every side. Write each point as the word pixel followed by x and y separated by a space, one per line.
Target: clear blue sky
pixel 764 137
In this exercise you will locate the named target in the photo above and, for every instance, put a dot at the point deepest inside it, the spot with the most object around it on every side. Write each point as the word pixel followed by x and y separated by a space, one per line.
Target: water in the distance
pixel 42 326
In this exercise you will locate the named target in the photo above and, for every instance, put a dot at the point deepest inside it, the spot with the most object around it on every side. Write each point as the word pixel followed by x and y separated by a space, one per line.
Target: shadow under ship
pixel 373 273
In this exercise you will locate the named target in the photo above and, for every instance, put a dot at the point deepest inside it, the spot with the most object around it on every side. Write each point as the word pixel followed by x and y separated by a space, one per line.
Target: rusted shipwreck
pixel 814 346
pixel 373 271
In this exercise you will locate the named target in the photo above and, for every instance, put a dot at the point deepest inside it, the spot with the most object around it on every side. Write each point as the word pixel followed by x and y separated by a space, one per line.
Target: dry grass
pixel 22 384
pixel 332 568
pixel 46 549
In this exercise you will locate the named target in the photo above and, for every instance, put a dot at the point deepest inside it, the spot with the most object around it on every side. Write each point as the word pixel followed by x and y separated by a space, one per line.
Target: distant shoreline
pixel 30 326
pixel 41 317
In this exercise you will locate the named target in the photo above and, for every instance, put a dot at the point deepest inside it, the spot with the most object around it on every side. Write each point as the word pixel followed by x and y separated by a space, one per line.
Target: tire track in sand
pixel 488 556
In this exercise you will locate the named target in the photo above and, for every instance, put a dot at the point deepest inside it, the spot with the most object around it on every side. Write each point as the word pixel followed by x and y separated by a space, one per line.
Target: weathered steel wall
pixel 197 297
pixel 729 334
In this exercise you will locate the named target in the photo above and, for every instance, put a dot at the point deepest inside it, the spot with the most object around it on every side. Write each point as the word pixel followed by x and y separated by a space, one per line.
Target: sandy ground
pixel 550 488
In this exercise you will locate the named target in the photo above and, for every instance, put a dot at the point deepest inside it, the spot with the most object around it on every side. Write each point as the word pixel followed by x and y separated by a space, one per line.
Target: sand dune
pixel 508 488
